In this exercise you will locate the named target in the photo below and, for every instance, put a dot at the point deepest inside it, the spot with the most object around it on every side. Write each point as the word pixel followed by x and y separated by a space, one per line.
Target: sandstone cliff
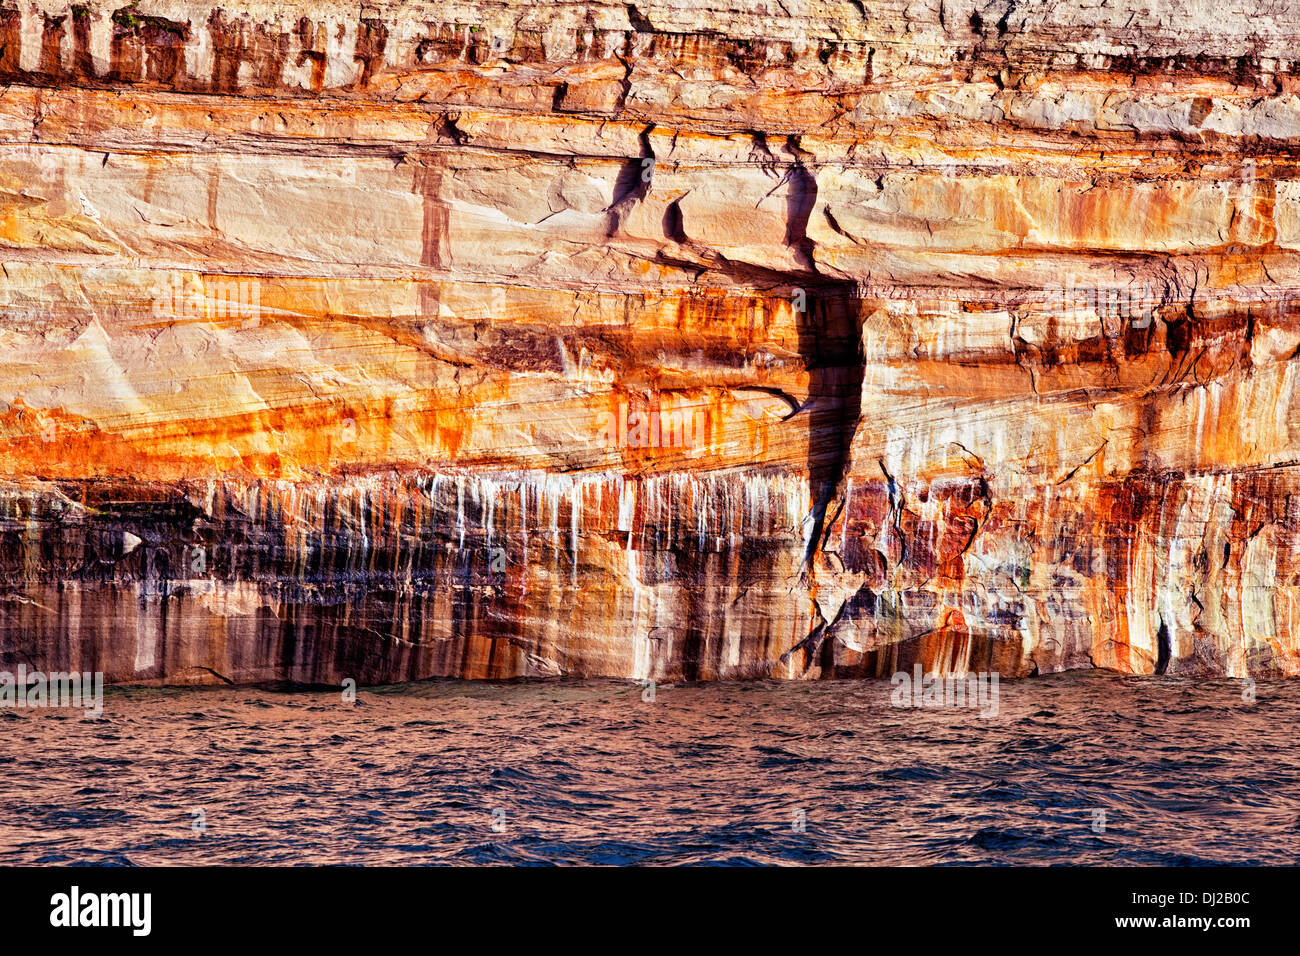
pixel 698 339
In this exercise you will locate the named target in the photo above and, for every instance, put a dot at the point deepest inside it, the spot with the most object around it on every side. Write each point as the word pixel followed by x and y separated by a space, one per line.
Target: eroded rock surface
pixel 668 340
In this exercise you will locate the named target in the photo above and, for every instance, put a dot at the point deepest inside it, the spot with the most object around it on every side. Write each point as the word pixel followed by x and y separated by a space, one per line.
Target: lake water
pixel 1082 768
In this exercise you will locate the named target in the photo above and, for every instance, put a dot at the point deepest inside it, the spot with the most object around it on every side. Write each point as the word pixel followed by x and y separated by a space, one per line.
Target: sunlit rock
pixel 656 340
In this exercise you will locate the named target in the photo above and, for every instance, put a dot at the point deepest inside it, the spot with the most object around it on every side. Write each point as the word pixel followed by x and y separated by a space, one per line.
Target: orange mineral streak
pixel 330 412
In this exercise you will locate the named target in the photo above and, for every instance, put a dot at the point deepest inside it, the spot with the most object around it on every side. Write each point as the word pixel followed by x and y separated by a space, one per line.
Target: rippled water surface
pixel 573 772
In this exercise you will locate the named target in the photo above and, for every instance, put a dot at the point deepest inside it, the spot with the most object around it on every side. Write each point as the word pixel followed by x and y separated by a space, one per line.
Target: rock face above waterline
pixel 671 340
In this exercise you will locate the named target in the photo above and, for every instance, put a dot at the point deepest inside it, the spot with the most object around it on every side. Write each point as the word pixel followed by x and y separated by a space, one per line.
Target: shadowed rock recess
pixel 717 339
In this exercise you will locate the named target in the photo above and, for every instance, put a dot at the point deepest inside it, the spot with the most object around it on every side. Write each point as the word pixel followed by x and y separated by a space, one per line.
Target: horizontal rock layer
pixel 652 340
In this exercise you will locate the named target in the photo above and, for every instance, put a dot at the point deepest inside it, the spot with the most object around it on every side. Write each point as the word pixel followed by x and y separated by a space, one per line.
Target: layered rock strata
pixel 672 340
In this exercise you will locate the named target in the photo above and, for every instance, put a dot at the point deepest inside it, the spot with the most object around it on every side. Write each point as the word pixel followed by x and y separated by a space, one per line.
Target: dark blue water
pixel 588 772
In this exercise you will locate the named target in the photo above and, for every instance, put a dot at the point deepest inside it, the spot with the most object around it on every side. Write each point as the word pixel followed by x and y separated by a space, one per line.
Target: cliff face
pixel 679 339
